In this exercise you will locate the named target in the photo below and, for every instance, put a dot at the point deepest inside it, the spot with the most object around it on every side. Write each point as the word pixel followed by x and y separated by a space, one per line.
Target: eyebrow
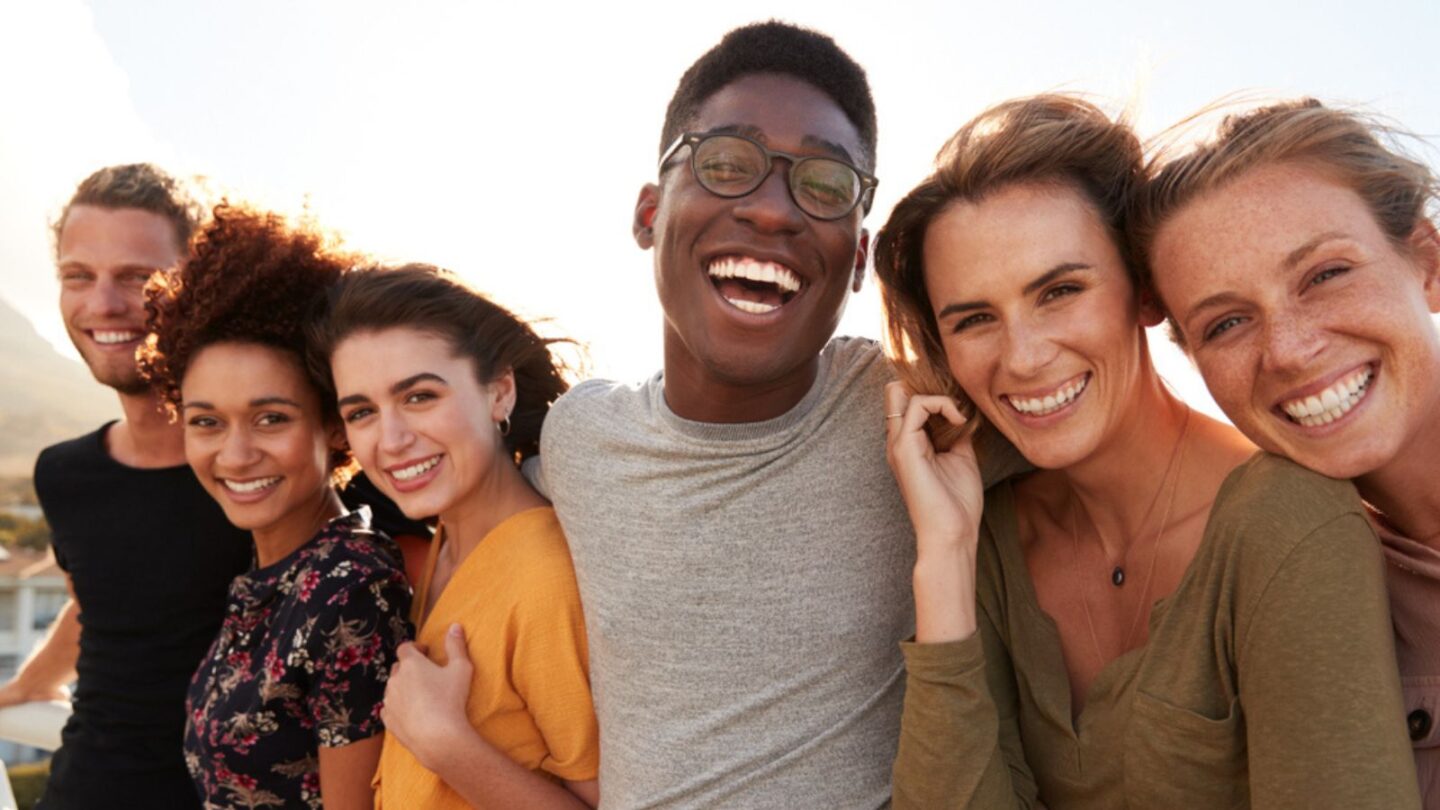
pixel 273 400
pixel 1058 271
pixel 258 402
pixel 399 387
pixel 1298 254
pixel 812 141
pixel 1291 260
pixel 129 267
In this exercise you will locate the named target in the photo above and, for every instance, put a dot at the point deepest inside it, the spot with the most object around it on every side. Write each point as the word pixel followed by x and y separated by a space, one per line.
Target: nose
pixel 1291 343
pixel 770 208
pixel 395 433
pixel 237 450
pixel 110 299
pixel 1027 350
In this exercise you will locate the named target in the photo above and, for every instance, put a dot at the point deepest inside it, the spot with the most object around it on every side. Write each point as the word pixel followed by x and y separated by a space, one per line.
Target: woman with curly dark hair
pixel 284 710
pixel 442 393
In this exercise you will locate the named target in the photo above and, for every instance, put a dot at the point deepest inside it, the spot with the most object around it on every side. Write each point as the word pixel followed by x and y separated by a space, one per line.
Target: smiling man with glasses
pixel 742 552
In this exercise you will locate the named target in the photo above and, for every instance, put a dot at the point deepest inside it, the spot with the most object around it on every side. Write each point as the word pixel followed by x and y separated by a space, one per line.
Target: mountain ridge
pixel 45 397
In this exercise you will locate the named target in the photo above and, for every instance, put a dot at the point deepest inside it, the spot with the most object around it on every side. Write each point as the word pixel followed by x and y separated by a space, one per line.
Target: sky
pixel 454 133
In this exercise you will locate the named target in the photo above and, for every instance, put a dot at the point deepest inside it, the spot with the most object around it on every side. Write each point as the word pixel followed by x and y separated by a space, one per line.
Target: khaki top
pixel 1268 680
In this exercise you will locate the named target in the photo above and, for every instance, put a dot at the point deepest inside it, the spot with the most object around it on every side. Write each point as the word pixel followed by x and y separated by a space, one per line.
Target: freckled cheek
pixel 974 371
pixel 1234 387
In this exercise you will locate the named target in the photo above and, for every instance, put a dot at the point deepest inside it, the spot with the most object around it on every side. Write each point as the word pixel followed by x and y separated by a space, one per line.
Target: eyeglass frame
pixel 863 200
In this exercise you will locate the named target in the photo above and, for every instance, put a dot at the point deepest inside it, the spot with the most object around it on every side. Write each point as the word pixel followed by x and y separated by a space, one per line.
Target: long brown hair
pixel 435 301
pixel 1048 138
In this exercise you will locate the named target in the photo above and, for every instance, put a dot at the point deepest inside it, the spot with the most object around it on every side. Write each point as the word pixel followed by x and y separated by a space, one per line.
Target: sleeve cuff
pixel 946 661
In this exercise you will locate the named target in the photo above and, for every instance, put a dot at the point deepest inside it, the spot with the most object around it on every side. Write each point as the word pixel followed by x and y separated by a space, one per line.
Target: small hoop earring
pixel 503 426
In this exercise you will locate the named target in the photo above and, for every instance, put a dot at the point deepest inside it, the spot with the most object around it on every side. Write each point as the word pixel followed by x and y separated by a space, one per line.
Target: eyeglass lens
pixel 734 167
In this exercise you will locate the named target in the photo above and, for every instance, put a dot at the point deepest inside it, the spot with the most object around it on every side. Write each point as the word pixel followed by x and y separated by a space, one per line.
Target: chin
pixel 420 505
pixel 245 520
pixel 1339 462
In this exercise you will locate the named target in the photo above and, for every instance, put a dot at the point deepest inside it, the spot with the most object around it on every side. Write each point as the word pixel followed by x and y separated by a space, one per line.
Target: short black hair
pixel 776 47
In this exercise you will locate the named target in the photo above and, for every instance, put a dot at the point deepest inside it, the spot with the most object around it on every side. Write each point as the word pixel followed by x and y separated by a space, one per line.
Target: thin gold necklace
pixel 1176 462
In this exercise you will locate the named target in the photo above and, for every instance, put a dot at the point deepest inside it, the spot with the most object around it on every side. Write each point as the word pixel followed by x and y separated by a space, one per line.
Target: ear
pixel 1425 249
pixel 646 208
pixel 502 395
pixel 862 254
pixel 1151 313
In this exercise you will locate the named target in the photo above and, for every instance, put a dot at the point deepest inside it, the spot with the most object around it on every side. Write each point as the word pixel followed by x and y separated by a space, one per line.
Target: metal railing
pixel 35 724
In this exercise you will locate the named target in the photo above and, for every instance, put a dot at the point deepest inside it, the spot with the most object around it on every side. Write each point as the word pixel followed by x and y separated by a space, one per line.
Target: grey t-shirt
pixel 746 587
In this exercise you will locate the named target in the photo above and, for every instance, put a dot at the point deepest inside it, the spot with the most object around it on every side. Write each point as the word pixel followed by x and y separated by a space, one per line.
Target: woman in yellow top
pixel 442 393
pixel 1157 616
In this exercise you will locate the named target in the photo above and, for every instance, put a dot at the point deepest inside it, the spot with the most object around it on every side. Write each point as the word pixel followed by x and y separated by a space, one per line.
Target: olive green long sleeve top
pixel 1268 681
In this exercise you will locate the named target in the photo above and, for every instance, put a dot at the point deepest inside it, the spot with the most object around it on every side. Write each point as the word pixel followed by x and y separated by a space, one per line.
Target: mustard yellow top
pixel 516 598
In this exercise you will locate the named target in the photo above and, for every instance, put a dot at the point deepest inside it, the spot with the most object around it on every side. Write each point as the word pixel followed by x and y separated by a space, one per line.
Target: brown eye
pixel 1060 291
pixel 970 321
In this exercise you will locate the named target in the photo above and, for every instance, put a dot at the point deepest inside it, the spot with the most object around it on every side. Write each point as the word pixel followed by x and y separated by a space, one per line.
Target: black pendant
pixel 1117 577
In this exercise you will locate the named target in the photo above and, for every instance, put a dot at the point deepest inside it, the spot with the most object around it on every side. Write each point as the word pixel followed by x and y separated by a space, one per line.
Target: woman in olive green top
pixel 1157 617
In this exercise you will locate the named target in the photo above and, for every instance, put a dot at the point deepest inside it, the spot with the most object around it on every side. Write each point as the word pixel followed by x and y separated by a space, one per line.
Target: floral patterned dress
pixel 301 662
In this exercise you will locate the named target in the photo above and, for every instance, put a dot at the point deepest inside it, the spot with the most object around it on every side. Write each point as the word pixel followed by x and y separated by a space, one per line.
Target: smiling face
pixel 1311 328
pixel 105 258
pixel 1038 318
pixel 752 287
pixel 419 422
pixel 255 437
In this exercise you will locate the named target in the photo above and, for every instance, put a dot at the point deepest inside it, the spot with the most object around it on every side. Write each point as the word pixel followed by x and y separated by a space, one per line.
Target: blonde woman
pixel 1314 329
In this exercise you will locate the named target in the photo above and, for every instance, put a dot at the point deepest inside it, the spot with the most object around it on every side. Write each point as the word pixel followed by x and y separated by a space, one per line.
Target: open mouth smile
pixel 753 286
pixel 409 476
pixel 114 337
pixel 1052 401
pixel 251 489
pixel 1332 403
pixel 413 471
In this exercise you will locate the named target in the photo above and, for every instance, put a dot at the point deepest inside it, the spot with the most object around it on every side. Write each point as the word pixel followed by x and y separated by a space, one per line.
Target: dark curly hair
pixel 776 47
pixel 433 300
pixel 251 277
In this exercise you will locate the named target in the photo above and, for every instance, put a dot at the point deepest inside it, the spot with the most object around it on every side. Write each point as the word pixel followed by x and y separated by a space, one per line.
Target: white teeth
pixel 1050 402
pixel 751 306
pixel 755 270
pixel 1332 403
pixel 115 337
pixel 415 470
pixel 251 486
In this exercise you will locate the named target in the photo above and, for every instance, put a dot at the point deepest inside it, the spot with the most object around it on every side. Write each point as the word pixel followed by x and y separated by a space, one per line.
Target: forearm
pixel 346 772
pixel 486 778
pixel 955 746
pixel 944 583
pixel 52 665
